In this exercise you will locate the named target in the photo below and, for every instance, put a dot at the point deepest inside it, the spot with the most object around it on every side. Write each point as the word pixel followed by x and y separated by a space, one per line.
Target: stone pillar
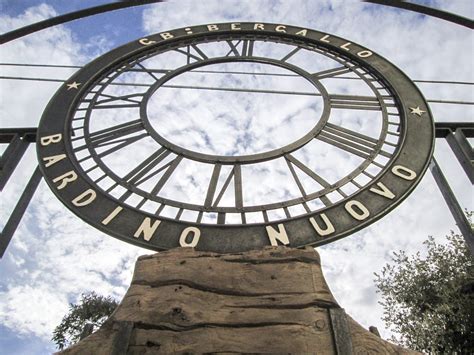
pixel 273 300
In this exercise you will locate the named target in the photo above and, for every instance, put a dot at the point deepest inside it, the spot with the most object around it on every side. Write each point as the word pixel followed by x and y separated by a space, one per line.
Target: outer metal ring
pixel 400 177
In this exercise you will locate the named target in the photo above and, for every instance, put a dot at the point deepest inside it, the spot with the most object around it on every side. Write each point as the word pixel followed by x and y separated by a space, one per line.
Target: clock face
pixel 309 138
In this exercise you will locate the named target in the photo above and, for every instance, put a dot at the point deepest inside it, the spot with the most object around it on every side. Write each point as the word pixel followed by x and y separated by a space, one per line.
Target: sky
pixel 54 256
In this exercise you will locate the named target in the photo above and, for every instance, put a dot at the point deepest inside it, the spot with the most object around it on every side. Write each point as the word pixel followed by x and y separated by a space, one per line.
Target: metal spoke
pixel 168 169
pixel 350 141
pixel 144 170
pixel 354 102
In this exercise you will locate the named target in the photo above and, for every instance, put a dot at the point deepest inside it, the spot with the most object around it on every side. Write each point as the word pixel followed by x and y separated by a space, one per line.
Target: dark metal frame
pixel 456 135
pixel 341 332
pixel 240 160
pixel 414 146
pixel 19 210
pixel 58 20
pixel 18 140
pixel 425 10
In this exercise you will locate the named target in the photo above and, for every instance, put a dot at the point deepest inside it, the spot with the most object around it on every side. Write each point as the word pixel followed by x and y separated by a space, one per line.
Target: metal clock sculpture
pixel 107 160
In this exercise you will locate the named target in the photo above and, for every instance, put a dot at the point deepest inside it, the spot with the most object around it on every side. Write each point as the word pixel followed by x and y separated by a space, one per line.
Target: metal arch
pixel 38 26
pixel 71 16
pixel 425 10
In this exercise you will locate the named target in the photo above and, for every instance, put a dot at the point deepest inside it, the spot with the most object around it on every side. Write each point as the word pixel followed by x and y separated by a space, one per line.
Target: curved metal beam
pixel 425 10
pixel 71 16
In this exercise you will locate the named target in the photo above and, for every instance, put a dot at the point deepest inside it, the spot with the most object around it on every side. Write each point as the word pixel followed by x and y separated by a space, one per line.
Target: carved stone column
pixel 273 300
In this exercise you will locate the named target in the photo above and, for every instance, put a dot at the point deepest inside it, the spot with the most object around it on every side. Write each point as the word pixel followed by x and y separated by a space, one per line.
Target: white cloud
pixel 37 316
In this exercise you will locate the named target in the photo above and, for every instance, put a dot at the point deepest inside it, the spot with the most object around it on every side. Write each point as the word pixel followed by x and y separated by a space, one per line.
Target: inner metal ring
pixel 242 159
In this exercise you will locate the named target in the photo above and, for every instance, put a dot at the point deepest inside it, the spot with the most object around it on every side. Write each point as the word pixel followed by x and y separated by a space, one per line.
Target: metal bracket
pixel 17 145
pixel 340 331
pixel 20 208
pixel 453 205
pixel 463 151
pixel 122 337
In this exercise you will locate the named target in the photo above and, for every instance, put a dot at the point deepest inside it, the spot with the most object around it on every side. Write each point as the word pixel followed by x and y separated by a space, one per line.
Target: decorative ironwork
pixel 75 156
pixel 442 129
pixel 456 135
pixel 425 10
pixel 453 205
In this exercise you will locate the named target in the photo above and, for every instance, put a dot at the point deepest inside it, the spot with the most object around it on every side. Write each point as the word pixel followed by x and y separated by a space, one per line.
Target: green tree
pixel 91 309
pixel 429 301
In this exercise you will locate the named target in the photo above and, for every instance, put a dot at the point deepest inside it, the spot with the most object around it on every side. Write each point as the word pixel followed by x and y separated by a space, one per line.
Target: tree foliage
pixel 92 308
pixel 429 301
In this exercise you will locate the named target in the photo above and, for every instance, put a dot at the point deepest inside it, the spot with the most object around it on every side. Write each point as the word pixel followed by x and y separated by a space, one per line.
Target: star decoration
pixel 74 85
pixel 417 111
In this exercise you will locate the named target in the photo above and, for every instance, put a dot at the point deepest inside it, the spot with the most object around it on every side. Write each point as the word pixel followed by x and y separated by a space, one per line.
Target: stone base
pixel 273 300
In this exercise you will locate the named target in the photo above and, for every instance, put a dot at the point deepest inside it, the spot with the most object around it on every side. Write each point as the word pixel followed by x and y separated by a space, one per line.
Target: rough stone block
pixel 273 300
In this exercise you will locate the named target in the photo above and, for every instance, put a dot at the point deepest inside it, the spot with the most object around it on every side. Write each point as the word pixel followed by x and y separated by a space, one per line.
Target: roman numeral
pixel 234 174
pixel 150 72
pixel 331 73
pixel 111 101
pixel 350 141
pixel 152 166
pixel 246 49
pixel 198 56
pixel 119 136
pixel 292 163
pixel 354 102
